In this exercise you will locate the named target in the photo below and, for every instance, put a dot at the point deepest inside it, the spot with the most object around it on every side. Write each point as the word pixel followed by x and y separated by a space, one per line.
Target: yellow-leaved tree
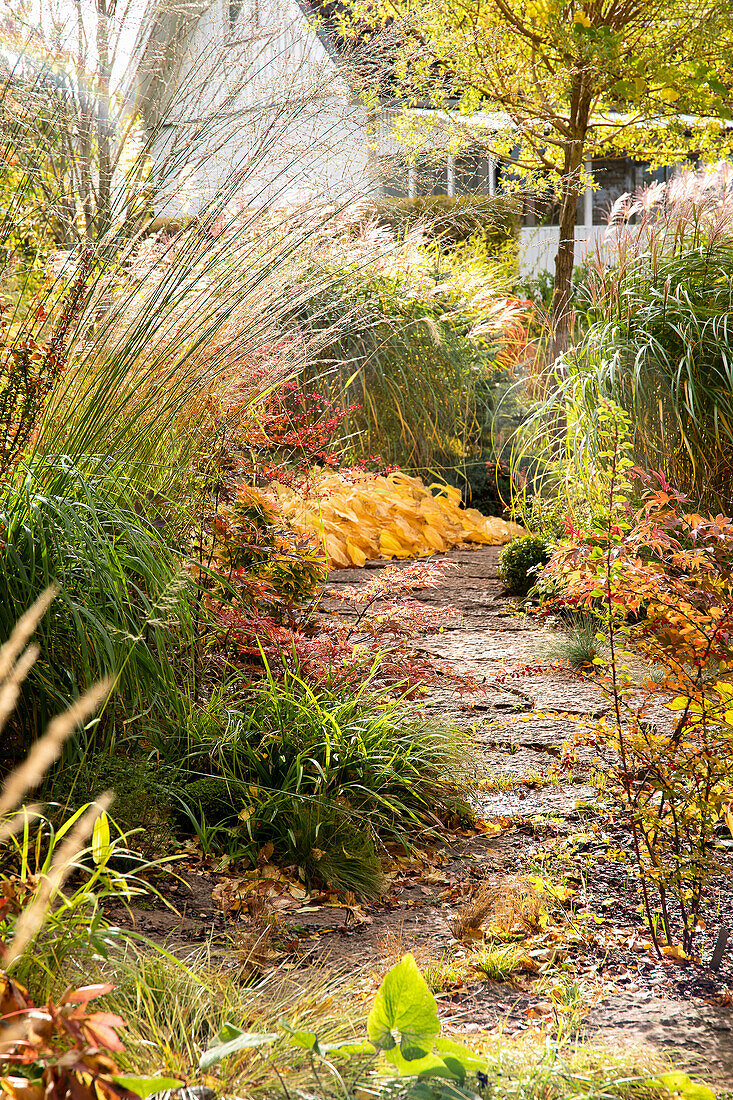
pixel 555 82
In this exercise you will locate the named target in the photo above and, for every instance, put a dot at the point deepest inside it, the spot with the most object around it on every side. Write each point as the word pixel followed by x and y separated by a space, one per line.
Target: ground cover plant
pixel 360 516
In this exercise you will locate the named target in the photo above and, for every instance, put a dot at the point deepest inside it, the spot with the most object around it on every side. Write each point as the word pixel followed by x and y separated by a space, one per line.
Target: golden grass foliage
pixel 360 517
pixel 16 659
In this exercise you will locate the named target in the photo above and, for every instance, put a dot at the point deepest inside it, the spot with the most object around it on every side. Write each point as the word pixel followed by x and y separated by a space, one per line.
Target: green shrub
pixel 325 777
pixel 144 791
pixel 454 219
pixel 214 798
pixel 520 561
pixel 332 848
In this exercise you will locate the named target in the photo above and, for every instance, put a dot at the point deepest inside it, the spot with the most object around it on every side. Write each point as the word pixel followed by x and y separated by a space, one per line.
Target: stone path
pixel 520 725
pixel 552 823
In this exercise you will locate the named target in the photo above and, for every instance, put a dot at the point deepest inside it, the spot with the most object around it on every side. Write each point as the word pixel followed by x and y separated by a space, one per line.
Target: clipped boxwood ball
pixel 516 560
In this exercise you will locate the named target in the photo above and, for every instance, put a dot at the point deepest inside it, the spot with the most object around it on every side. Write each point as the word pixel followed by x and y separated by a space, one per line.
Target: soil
pixel 590 965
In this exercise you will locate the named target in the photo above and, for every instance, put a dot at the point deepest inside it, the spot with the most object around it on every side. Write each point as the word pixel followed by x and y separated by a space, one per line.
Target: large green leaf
pixel 430 1065
pixel 146 1086
pixel 307 1040
pixel 679 1084
pixel 231 1039
pixel 449 1060
pixel 404 1012
pixel 461 1061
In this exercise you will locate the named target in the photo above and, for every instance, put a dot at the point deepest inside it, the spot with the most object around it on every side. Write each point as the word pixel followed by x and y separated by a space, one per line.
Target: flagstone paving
pixel 546 817
pixel 522 727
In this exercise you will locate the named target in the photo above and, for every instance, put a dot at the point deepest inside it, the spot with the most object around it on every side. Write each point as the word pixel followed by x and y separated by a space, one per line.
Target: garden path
pixel 592 970
pixel 613 987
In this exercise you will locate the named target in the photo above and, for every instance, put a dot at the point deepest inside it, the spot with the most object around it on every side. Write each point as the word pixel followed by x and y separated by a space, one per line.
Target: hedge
pixel 456 219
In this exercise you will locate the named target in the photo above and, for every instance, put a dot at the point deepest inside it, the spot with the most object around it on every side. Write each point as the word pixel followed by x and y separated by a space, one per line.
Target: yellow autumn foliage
pixel 369 516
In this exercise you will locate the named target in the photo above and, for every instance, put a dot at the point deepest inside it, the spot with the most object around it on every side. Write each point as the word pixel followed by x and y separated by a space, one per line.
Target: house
pixel 264 99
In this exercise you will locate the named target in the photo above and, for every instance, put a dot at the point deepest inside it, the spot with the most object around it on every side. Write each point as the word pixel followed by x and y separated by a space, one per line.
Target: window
pixel 615 177
pixel 466 174
pixel 394 178
pixel 431 176
pixel 473 174
pixel 234 10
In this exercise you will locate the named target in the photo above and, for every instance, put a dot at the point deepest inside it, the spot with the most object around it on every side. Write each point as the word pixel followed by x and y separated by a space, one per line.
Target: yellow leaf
pixel 675 952
pixel 728 813
pixel 336 552
pixel 356 555
pixel 387 517
pixel 388 544
pixel 432 538
pixel 101 847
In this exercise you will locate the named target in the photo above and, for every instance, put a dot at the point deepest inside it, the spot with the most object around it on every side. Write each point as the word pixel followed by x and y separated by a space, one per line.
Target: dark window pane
pixel 472 174
pixel 393 174
pixel 646 175
pixel 431 176
pixel 612 178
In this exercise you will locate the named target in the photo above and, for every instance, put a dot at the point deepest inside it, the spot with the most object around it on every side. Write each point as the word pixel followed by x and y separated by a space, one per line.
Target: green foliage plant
pixel 145 786
pixel 75 929
pixel 521 561
pixel 121 589
pixel 659 348
pixel 414 364
pixel 581 643
pixel 328 775
pixel 661 581
pixel 54 878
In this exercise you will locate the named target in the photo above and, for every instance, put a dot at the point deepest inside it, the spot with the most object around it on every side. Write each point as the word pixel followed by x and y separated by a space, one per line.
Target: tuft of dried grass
pixel 17 657
pixel 508 904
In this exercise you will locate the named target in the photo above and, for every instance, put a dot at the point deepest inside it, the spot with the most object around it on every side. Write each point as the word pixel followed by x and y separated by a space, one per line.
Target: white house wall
pixel 538 246
pixel 262 111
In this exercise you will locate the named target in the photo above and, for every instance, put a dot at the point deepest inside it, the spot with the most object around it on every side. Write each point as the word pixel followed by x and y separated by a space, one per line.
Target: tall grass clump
pixel 658 317
pixel 326 778
pixel 121 592
pixel 54 879
pixel 415 365
pixel 135 353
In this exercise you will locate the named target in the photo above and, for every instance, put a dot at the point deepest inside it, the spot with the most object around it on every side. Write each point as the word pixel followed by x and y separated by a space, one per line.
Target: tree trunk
pixel 564 263
pixel 580 104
